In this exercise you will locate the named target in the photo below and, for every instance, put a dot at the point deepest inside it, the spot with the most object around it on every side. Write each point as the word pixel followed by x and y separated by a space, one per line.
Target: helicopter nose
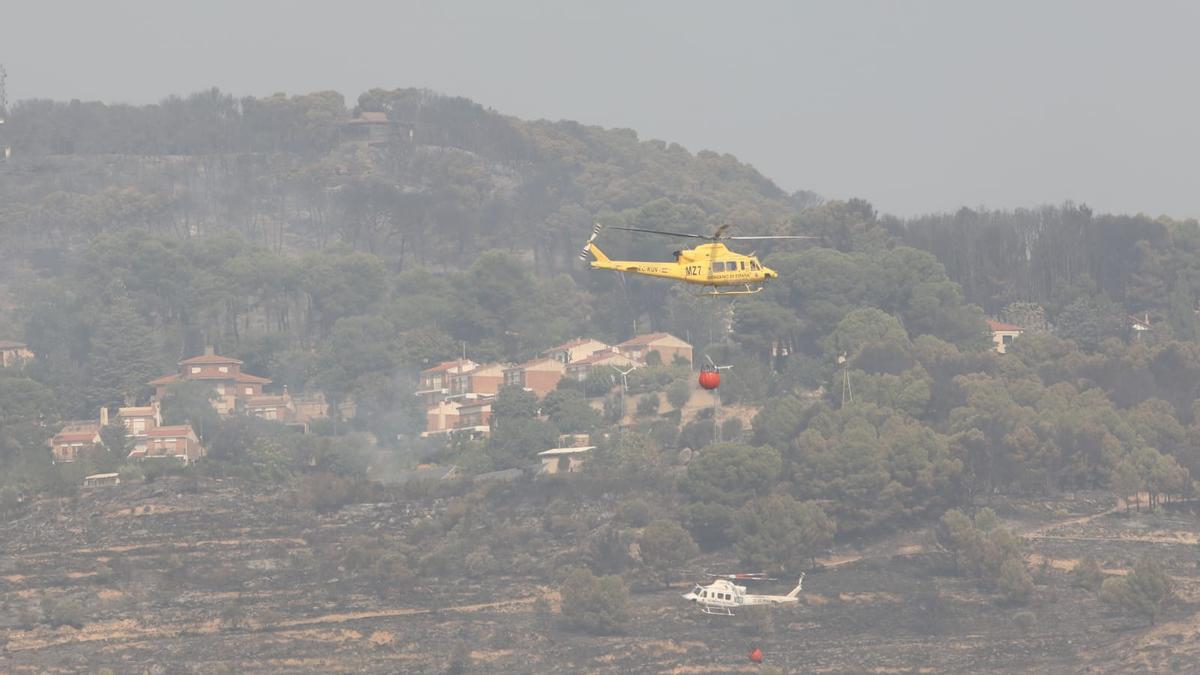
pixel 770 273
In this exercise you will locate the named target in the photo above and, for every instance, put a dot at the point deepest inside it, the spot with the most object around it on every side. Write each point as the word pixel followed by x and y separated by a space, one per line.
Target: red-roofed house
pixel 14 354
pixel 68 444
pixel 293 411
pixel 540 376
pixel 471 415
pixel 575 350
pixel 1139 325
pixel 225 374
pixel 278 408
pixel 476 414
pixel 579 370
pixel 77 437
pixel 484 380
pixel 668 347
pixel 138 421
pixel 1003 334
pixel 434 386
pixel 313 406
pixel 179 441
pixel 375 128
pixel 440 418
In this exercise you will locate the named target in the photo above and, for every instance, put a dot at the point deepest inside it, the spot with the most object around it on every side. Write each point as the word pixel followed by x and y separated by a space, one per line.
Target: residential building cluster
pixel 234 392
pixel 146 436
pixel 458 395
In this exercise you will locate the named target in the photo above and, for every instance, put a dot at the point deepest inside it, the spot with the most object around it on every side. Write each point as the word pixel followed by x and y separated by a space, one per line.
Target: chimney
pixel 209 351
pixel 103 415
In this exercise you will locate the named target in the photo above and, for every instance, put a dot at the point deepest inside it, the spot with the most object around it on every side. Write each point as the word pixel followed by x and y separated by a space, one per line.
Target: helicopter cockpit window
pixel 753 265
pixel 743 264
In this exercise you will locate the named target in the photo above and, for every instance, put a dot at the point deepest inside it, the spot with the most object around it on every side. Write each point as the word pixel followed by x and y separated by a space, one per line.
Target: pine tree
pixel 121 357
pixel 1147 590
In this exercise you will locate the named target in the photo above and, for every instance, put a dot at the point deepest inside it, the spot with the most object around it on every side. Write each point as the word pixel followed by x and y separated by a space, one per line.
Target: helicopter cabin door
pixel 719 270
pixel 729 271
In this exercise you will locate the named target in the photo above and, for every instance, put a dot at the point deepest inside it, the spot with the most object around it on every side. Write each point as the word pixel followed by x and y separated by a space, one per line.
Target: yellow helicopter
pixel 710 264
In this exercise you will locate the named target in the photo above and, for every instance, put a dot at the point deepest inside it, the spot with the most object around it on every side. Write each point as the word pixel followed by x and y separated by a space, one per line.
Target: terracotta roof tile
pixel 174 431
pixel 645 339
pixel 601 357
pixel 247 378
pixel 75 436
pixel 570 345
pixel 1000 325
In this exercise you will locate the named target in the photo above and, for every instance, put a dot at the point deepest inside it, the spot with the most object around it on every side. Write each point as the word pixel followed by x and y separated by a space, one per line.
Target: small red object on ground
pixel 756 655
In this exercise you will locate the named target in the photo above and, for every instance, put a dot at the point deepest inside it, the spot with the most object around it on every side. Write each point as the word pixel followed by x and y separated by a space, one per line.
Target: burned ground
pixel 219 576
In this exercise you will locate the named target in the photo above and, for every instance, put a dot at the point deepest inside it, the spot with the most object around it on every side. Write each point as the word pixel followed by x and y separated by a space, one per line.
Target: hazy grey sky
pixel 916 106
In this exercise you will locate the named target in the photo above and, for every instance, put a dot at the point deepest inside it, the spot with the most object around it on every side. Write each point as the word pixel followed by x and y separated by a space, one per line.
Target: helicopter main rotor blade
pixel 662 232
pixel 776 236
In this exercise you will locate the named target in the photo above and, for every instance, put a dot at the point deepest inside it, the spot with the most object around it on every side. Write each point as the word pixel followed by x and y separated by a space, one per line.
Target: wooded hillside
pixel 134 236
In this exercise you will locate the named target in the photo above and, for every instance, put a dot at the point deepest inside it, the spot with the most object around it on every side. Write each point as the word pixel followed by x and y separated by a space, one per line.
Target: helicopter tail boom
pixel 651 269
pixel 796 591
pixel 601 260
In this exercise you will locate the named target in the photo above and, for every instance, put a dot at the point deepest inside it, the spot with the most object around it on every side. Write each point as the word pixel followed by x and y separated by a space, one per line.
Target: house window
pixel 249 391
pixel 1007 339
pixel 223 369
pixel 195 370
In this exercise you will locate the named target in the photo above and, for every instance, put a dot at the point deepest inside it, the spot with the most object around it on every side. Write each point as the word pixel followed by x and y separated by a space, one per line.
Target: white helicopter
pixel 723 596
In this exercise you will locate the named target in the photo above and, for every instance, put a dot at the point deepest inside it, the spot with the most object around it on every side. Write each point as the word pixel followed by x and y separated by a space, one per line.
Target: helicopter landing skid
pixel 750 290
pixel 716 611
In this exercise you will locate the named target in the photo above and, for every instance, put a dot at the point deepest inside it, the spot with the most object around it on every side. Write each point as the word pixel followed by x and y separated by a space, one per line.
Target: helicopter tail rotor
pixel 583 254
